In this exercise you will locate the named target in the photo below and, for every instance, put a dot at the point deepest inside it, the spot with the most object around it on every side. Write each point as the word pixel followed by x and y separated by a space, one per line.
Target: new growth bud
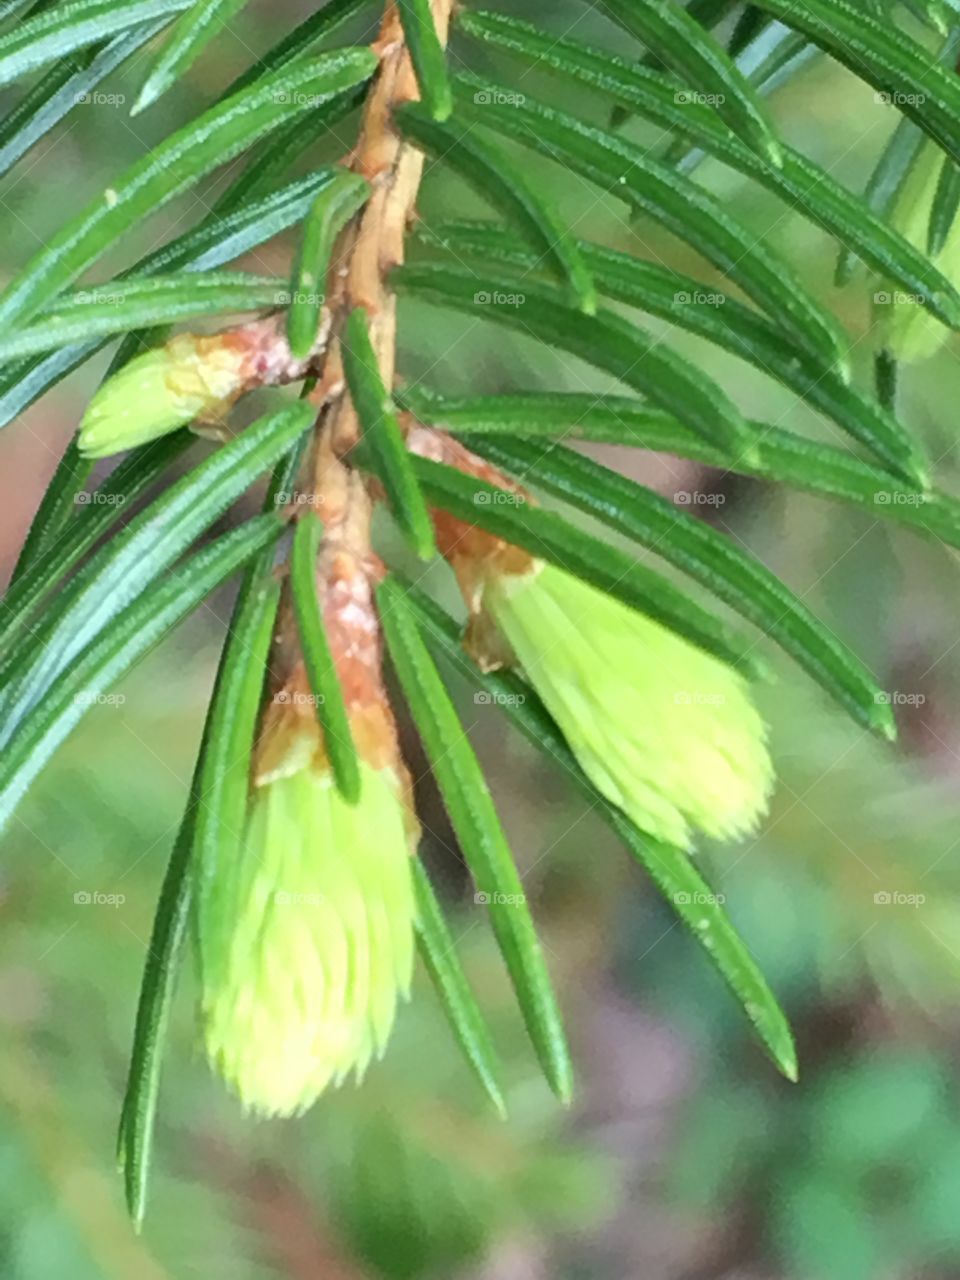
pixel 303 986
pixel 306 941
pixel 191 378
pixel 663 730
pixel 188 378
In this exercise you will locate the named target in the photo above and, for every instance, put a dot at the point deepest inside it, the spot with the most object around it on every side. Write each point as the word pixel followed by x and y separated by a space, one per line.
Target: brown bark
pixel 370 246
pixel 374 243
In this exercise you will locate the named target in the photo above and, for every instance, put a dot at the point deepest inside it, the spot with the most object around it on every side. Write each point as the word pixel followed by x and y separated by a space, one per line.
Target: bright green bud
pixel 662 729
pixel 302 979
pixel 166 388
pixel 908 329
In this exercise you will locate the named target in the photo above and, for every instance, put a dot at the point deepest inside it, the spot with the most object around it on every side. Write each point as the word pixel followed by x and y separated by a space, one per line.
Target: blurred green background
pixel 684 1156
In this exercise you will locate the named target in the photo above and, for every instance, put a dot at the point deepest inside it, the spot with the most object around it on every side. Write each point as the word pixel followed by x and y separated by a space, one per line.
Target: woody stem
pixel 374 243
pixel 365 252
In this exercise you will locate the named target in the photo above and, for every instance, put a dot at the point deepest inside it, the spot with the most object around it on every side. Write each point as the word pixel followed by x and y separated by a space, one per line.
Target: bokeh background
pixel 684 1155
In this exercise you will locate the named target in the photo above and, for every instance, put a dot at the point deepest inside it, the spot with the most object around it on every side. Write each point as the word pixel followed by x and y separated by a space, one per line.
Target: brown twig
pixel 374 244
pixel 368 248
